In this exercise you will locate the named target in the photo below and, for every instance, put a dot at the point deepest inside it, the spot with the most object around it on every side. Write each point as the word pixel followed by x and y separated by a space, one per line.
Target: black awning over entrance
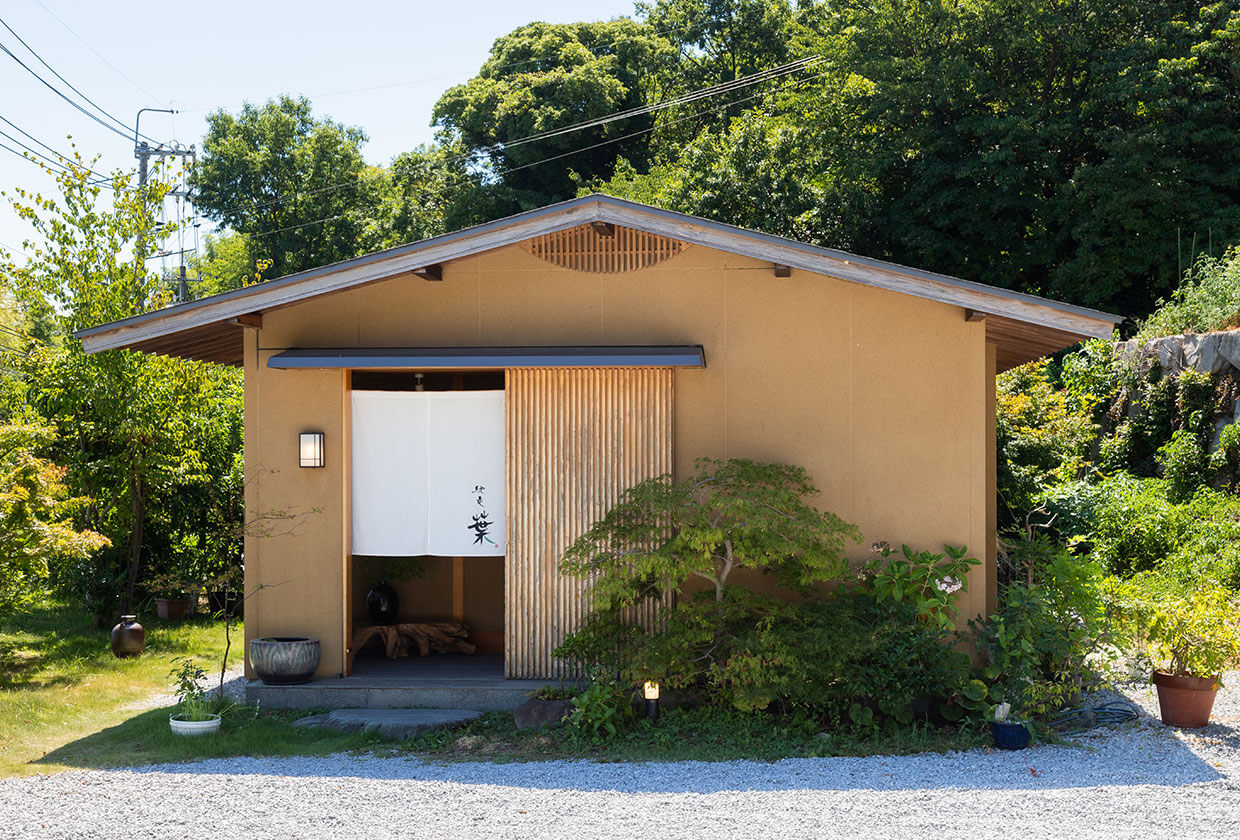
pixel 466 358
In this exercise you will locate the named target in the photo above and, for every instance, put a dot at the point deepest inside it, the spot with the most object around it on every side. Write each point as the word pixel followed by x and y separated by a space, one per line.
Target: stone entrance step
pixel 390 723
pixel 362 693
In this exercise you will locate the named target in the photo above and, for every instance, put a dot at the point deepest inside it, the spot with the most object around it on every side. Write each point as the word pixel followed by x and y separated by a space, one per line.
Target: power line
pixel 440 78
pixel 69 84
pixel 60 156
pixel 59 167
pixel 700 93
pixel 629 136
pixel 26 157
pixel 30 137
pixel 34 152
pixel 59 93
pixel 100 55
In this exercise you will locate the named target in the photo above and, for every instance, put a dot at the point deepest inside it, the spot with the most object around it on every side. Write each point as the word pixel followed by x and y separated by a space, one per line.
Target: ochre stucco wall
pixel 886 399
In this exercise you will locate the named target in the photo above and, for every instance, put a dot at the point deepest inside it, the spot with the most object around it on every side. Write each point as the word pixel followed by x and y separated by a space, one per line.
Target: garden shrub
pixel 873 654
pixel 1225 461
pixel 1207 299
pixel 1130 525
pixel 1036 645
pixel 845 660
pixel 602 710
pixel 1184 464
pixel 37 534
pixel 926 581
pixel 1044 434
pixel 1136 526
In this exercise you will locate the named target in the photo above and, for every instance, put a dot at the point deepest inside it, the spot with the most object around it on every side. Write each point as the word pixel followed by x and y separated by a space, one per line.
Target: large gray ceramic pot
pixel 284 660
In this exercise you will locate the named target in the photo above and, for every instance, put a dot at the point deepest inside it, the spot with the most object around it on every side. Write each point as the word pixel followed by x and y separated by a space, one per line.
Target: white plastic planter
pixel 194 727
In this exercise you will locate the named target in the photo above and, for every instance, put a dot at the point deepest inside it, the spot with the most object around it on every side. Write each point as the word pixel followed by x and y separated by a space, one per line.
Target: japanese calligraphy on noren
pixel 481 523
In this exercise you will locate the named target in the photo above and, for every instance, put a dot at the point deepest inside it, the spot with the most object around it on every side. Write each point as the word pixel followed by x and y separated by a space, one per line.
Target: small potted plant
pixel 1193 637
pixel 194 715
pixel 1009 734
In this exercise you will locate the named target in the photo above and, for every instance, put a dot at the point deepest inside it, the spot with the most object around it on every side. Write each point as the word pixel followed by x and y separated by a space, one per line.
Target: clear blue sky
pixel 370 63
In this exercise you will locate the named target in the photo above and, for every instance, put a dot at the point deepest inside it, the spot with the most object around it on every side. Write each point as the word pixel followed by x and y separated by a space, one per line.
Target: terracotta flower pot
pixel 1185 701
pixel 284 660
pixel 173 609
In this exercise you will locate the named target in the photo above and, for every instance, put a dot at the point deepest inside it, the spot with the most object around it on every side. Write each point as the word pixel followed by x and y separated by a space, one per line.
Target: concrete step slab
pixel 390 723
pixel 363 693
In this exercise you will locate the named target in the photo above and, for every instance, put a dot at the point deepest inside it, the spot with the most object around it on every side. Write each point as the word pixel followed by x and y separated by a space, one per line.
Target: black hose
pixel 1087 717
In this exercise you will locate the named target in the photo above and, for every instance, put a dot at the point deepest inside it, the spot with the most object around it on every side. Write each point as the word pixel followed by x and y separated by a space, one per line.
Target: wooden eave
pixel 1023 327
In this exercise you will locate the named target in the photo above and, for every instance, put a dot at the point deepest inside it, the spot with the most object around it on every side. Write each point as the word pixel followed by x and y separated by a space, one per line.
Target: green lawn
pixel 67 703
pixel 682 735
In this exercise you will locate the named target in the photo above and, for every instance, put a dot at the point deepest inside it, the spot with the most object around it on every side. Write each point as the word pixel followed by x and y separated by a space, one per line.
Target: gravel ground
pixel 1138 779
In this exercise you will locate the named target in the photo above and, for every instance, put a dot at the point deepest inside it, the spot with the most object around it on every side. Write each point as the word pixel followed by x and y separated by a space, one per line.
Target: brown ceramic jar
pixel 128 637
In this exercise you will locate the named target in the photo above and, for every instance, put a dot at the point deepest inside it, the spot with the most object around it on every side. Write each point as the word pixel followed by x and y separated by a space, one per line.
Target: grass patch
pixel 67 703
pixel 682 735
pixel 145 738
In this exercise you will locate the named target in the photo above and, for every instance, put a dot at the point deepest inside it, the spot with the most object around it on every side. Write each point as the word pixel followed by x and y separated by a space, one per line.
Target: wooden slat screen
pixel 583 249
pixel 576 439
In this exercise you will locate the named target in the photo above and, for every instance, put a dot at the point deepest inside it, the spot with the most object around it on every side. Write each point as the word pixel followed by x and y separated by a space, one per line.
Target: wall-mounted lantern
pixel 310 449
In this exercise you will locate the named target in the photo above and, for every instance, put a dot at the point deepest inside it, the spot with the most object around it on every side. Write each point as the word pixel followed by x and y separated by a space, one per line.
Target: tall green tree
pixel 760 174
pixel 295 185
pixel 716 41
pixel 133 430
pixel 543 77
pixel 1082 149
pixel 423 193
pixel 1060 148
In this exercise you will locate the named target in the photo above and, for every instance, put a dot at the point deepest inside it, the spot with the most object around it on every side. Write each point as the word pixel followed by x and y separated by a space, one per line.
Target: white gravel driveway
pixel 1137 780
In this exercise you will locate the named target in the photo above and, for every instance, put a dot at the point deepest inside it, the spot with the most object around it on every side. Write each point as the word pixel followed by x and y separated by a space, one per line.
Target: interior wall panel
pixel 576 439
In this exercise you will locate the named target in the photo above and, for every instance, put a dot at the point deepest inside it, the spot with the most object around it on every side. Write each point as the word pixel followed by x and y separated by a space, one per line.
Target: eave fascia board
pixel 865 270
pixel 502 232
pixel 334 278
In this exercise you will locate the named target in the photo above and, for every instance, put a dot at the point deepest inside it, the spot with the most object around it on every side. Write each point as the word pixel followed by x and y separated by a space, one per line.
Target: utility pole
pixel 143 151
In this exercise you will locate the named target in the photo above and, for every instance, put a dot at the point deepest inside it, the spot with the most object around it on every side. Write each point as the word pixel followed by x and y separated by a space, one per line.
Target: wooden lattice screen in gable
pixel 603 249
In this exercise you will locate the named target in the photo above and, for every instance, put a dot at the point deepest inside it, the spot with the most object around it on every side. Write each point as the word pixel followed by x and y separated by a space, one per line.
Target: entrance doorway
pixel 427 494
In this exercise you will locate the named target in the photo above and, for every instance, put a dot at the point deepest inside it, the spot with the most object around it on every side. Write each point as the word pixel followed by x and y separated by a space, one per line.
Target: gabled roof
pixel 1023 326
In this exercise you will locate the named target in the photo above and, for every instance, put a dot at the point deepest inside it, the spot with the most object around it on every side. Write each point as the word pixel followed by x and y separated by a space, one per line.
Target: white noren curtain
pixel 428 473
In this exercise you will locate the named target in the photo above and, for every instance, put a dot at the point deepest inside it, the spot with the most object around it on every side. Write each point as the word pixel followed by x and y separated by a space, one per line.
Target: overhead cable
pixel 61 94
pixel 569 153
pixel 69 84
pixel 100 55
pixel 701 93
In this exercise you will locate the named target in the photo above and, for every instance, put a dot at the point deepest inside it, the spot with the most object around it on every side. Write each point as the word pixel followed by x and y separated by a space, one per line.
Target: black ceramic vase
pixel 382 603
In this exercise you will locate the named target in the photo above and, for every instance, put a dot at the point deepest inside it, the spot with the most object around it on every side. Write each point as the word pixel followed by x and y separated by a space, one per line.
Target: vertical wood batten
pixel 576 439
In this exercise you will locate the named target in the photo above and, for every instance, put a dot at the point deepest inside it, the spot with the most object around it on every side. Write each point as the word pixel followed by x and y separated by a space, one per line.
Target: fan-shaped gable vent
pixel 602 248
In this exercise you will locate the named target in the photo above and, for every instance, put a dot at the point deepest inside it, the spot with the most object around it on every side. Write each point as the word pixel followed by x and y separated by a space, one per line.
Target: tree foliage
pixel 294 184
pixel 731 515
pixel 137 433
pixel 542 77
pixel 36 518
pixel 1084 150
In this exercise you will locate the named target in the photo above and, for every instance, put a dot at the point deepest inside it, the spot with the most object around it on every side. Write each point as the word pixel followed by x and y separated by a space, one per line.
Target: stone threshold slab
pixel 390 723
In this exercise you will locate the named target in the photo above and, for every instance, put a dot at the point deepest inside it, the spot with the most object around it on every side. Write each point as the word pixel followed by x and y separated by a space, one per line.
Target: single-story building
pixel 479 398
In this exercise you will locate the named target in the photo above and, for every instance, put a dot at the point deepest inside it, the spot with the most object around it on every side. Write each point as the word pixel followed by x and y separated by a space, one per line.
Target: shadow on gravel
pixel 1129 757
